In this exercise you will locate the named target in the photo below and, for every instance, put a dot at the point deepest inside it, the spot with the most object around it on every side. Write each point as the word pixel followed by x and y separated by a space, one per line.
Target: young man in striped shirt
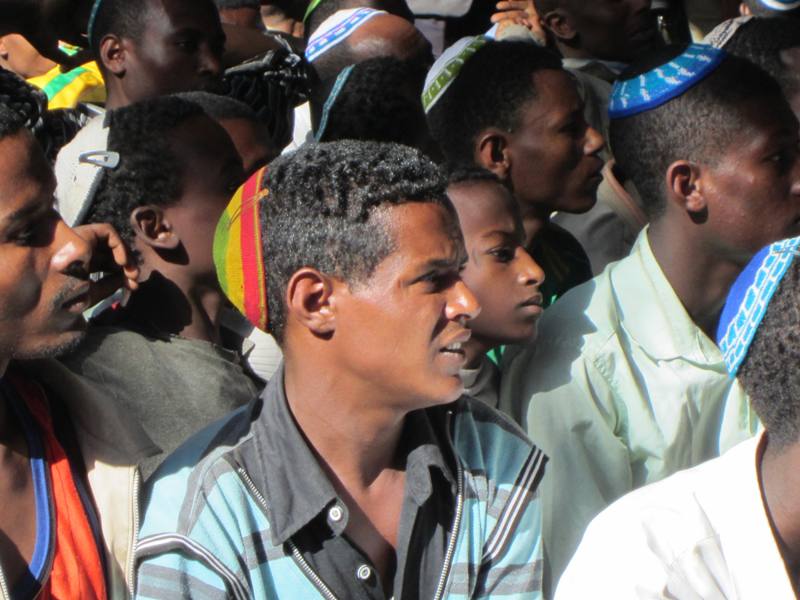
pixel 362 471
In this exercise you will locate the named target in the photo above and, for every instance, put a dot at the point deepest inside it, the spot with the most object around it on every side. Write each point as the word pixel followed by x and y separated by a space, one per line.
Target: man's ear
pixel 560 25
pixel 311 300
pixel 685 187
pixel 744 10
pixel 113 52
pixel 152 227
pixel 3 48
pixel 492 153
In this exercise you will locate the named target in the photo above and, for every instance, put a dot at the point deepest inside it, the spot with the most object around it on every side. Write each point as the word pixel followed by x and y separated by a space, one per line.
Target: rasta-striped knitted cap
pixel 667 81
pixel 239 251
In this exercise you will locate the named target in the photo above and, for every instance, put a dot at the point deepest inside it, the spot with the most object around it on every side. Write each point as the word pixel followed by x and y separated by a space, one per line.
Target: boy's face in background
pixel 500 272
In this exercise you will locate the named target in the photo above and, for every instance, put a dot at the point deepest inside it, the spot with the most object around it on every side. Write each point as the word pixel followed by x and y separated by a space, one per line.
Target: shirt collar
pixel 294 485
pixel 651 313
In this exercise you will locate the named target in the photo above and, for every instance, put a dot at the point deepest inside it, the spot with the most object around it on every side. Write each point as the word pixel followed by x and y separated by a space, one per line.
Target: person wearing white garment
pixel 729 527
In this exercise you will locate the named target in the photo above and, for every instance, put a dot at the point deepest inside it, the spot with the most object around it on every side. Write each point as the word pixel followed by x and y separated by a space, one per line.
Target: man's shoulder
pixel 203 465
pixel 490 443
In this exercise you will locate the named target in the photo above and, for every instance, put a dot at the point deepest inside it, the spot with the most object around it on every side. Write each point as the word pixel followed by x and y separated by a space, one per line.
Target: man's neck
pixel 358 439
pixel 191 311
pixel 534 219
pixel 700 279
pixel 780 485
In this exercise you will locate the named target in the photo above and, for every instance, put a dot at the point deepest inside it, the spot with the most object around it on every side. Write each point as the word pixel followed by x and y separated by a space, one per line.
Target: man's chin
pixel 64 344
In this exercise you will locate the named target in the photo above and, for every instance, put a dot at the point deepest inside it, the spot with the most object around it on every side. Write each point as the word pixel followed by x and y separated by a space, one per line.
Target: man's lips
pixel 75 300
pixel 457 342
pixel 532 305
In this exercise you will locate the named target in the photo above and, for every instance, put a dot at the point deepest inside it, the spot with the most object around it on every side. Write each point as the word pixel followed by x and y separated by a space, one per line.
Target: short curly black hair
pixel 380 102
pixel 149 172
pixel 698 125
pixel 124 18
pixel 490 91
pixel 759 10
pixel 769 372
pixel 11 122
pixel 319 209
pixel 761 41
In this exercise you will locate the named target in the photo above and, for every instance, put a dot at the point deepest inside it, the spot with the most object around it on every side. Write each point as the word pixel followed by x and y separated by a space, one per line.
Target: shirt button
pixel 335 514
pixel 363 573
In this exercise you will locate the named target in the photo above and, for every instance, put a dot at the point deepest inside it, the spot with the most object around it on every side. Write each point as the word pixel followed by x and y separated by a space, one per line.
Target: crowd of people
pixel 399 299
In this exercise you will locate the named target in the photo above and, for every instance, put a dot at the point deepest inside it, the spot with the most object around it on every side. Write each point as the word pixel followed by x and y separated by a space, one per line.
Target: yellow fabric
pixel 66 90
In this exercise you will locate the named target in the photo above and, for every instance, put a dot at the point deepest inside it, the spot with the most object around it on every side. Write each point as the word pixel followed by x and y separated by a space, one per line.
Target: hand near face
pixel 46 22
pixel 520 12
pixel 109 255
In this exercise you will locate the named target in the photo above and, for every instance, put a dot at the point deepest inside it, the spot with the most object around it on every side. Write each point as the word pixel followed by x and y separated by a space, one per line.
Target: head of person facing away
pixel 718 164
pixel 44 265
pixel 150 48
pixel 769 370
pixel 610 30
pixel 242 13
pixel 329 7
pixel 363 253
pixel 177 171
pixel 770 8
pixel 515 111
pixel 499 270
pixel 247 132
pixel 377 100
pixel 384 34
pixel 774 45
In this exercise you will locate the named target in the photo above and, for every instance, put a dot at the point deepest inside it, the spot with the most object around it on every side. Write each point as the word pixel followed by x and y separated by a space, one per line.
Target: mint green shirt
pixel 621 389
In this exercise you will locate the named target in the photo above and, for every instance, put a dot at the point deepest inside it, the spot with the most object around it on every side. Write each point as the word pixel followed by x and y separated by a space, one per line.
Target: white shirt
pixel 700 534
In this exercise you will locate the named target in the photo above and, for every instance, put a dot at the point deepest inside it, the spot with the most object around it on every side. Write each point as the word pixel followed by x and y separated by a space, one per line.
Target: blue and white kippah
pixel 749 298
pixel 781 5
pixel 660 85
pixel 336 29
pixel 447 67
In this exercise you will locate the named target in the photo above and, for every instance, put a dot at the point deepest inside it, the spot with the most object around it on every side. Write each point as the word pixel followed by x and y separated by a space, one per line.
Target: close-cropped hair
pixel 491 90
pixel 149 171
pixel 761 41
pixel 322 211
pixel 769 373
pixel 380 102
pixel 124 18
pixel 697 126
pixel 220 108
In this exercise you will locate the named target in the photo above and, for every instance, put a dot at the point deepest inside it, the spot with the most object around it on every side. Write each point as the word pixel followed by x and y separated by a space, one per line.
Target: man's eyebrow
pixel 23 213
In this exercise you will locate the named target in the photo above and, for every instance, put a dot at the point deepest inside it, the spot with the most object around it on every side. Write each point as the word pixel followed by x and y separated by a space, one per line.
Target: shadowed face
pixel 180 50
pixel 44 265
pixel 553 151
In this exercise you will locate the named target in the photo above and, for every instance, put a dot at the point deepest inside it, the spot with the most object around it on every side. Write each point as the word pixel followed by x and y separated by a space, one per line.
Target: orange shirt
pixel 75 564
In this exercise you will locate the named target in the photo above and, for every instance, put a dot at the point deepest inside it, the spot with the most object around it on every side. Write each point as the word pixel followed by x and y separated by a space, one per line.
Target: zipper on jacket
pixel 298 557
pixel 130 571
pixel 451 545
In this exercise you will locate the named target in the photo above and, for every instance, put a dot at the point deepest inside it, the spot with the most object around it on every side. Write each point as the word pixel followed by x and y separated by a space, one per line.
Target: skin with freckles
pixel 500 272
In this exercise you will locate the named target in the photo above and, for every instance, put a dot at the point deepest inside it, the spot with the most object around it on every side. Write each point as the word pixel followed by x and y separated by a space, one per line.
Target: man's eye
pixel 187 45
pixel 503 254
pixel 25 237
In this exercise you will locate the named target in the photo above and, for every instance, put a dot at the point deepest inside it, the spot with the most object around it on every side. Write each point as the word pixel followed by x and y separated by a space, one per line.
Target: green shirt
pixel 620 389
